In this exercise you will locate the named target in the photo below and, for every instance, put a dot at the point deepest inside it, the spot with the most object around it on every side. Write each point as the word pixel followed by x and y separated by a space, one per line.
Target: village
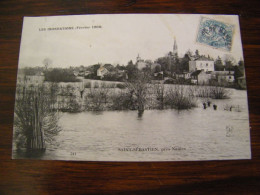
pixel 191 69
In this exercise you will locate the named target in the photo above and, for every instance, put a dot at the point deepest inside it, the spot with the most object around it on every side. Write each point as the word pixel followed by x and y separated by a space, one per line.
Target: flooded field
pixel 157 135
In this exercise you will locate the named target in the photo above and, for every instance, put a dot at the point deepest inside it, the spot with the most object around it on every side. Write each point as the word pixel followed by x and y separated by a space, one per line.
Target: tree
pixel 241 63
pixel 32 70
pixel 139 87
pixel 164 62
pixel 239 70
pixel 118 67
pixel 189 53
pixel 47 62
pixel 176 64
pixel 132 70
pixel 219 64
pixel 197 53
pixel 184 62
pixel 60 75
pixel 157 68
pixel 35 121
pixel 229 62
pixel 159 91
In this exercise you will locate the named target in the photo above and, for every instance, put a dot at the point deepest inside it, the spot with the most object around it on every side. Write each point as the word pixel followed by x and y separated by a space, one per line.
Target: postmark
pixel 215 34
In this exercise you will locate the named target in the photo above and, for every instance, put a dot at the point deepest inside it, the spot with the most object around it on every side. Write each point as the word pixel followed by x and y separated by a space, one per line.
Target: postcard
pixel 131 87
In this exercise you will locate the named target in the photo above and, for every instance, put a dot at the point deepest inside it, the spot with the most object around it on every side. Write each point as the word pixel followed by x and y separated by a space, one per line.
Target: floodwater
pixel 157 135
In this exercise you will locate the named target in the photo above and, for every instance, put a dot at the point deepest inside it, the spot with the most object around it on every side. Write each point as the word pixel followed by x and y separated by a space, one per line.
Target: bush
pixel 122 101
pixel 215 92
pixel 120 86
pixel 60 75
pixel 179 98
pixel 96 98
pixel 203 91
pixel 87 85
pixel 219 92
pixel 96 85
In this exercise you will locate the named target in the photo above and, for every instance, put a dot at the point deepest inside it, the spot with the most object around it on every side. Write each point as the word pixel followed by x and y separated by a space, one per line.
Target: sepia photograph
pixel 131 87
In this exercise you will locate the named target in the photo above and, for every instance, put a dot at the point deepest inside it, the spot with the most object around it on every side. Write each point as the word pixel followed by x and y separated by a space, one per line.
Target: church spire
pixel 175 48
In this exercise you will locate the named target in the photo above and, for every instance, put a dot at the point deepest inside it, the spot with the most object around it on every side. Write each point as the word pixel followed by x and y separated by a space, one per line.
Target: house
pixel 101 72
pixel 184 75
pixel 223 76
pixel 87 73
pixel 201 63
pixel 200 77
pixel 158 75
pixel 229 77
pixel 76 73
pixel 122 74
pixel 81 73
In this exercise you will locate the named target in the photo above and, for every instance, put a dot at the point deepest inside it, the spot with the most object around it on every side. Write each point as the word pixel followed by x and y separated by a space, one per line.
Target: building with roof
pixel 101 72
pixel 201 63
pixel 223 76
pixel 200 77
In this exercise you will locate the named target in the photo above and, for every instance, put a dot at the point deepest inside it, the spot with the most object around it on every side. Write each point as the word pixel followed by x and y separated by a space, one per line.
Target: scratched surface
pixel 61 177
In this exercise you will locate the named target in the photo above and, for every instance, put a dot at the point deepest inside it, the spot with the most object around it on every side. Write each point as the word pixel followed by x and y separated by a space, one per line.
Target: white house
pixel 201 63
pixel 101 72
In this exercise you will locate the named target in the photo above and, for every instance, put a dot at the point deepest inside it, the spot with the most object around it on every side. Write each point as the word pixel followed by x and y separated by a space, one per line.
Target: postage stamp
pixel 215 34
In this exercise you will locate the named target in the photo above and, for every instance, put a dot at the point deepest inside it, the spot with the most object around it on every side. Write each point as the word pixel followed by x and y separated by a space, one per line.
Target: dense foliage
pixel 60 75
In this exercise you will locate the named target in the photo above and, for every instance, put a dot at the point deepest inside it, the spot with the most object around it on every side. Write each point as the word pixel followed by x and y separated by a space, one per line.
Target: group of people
pixel 207 104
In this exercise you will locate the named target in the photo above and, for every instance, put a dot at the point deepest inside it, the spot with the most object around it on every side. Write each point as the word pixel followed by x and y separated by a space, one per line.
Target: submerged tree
pixel 139 88
pixel 160 91
pixel 35 121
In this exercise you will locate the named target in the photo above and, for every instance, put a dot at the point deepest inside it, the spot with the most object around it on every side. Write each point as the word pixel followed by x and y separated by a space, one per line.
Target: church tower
pixel 175 48
pixel 138 59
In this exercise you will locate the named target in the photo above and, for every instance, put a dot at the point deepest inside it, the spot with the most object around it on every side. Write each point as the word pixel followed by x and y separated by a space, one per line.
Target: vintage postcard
pixel 131 87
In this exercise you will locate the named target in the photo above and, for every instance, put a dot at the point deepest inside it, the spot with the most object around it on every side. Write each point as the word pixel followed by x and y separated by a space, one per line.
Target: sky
pixel 120 39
